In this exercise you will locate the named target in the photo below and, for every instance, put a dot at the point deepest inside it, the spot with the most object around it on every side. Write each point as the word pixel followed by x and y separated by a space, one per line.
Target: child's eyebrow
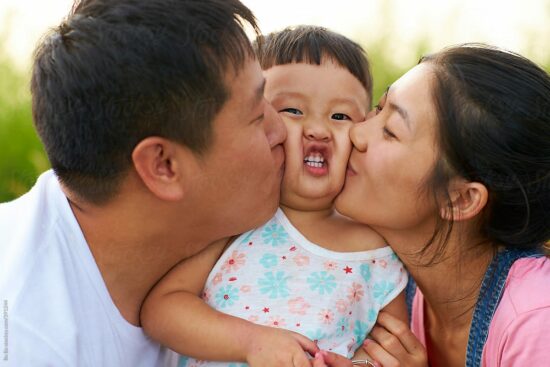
pixel 345 101
pixel 290 94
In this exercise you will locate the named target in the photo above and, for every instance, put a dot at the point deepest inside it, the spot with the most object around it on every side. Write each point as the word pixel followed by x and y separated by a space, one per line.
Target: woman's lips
pixel 350 171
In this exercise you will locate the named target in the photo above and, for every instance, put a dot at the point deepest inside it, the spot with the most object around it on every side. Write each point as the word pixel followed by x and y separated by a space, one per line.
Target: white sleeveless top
pixel 274 276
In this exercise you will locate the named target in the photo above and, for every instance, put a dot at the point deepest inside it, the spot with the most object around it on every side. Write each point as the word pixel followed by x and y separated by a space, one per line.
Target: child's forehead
pixel 301 80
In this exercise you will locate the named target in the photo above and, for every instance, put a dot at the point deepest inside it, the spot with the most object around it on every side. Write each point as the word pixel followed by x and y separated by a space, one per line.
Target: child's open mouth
pixel 315 162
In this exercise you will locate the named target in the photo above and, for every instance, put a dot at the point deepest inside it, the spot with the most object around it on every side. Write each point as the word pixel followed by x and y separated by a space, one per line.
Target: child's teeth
pixel 316 161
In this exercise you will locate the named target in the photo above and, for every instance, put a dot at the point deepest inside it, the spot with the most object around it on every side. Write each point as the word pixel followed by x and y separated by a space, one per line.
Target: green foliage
pixel 22 157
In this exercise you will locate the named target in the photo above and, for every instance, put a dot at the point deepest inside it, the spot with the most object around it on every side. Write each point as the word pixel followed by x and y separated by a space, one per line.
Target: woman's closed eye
pixel 388 133
pixel 292 111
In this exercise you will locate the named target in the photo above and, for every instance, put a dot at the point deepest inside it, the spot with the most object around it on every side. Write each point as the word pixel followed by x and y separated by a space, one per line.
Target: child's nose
pixel 315 129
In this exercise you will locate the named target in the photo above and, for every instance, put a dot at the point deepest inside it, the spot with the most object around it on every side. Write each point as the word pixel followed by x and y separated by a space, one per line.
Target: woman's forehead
pixel 413 94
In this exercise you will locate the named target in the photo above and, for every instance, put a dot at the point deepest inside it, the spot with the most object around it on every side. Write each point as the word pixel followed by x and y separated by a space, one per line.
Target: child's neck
pixel 301 218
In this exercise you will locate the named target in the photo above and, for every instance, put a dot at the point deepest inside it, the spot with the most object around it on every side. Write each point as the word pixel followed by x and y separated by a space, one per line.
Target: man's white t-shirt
pixel 57 310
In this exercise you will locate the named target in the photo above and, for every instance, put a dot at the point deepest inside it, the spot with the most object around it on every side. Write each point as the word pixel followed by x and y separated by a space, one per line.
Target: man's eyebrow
pixel 259 94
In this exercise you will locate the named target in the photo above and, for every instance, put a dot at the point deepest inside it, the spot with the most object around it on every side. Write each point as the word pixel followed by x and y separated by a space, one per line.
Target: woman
pixel 453 169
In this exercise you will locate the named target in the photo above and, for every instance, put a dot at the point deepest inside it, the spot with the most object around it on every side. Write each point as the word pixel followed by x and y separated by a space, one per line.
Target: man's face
pixel 241 171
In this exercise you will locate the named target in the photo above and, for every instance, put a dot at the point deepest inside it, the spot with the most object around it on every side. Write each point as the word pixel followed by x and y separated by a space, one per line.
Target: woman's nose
pixel 358 135
pixel 315 129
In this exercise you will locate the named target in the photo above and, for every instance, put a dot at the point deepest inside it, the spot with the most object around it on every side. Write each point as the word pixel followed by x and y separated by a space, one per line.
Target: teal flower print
pixel 274 235
pixel 342 327
pixel 364 269
pixel 360 331
pixel 274 284
pixel 269 260
pixel 371 315
pixel 183 361
pixel 316 335
pixel 237 365
pixel 227 296
pixel 321 282
pixel 247 237
pixel 381 290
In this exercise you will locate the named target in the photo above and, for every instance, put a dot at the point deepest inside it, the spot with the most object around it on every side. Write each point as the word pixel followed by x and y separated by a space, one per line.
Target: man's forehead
pixel 248 83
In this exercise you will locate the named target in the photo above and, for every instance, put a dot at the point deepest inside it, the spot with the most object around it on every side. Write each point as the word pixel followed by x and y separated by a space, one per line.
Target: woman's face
pixel 393 154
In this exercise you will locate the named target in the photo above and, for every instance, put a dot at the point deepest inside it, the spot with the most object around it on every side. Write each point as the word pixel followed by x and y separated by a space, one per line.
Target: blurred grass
pixel 22 157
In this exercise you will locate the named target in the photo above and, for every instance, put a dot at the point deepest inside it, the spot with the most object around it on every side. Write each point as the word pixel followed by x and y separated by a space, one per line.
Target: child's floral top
pixel 274 276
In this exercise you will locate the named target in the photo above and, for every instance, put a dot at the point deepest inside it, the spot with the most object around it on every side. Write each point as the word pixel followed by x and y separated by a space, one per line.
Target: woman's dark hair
pixel 493 108
pixel 116 72
pixel 310 44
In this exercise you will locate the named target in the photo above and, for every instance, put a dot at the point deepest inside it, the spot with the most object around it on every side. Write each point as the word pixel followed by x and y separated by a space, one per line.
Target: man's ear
pixel 164 167
pixel 466 200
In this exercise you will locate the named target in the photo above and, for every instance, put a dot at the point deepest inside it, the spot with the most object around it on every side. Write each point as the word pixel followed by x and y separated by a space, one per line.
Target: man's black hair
pixel 118 71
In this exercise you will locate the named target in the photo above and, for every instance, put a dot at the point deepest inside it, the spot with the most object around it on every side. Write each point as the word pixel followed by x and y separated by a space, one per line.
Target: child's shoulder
pixel 358 236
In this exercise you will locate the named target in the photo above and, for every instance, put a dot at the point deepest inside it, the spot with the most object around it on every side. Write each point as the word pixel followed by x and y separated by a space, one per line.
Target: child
pixel 308 269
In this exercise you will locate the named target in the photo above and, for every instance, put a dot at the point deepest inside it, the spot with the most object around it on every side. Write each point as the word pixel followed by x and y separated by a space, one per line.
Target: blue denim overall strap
pixel 410 291
pixel 488 300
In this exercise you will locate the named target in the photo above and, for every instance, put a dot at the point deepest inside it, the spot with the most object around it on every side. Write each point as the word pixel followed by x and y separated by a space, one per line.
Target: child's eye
pixel 340 116
pixel 293 111
pixel 377 109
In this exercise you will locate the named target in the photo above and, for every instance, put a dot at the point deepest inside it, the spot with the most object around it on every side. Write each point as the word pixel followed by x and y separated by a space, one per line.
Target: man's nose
pixel 275 129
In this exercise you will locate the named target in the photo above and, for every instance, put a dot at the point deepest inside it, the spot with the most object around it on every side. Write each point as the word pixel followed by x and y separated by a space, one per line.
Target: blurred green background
pixel 395 34
pixel 21 155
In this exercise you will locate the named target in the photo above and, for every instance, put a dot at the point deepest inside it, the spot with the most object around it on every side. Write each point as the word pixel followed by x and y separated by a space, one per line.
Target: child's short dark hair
pixel 310 44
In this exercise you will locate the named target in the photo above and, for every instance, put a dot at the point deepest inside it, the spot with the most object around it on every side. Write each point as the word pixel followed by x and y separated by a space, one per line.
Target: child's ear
pixel 466 200
pixel 164 167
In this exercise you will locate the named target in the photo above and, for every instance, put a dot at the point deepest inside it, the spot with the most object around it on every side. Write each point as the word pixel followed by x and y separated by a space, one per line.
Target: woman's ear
pixel 466 200
pixel 164 167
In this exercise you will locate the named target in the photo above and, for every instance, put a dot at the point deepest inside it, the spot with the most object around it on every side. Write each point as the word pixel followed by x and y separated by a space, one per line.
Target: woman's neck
pixel 449 281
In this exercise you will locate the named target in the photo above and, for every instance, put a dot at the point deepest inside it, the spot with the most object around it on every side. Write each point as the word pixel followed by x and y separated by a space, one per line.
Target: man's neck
pixel 132 249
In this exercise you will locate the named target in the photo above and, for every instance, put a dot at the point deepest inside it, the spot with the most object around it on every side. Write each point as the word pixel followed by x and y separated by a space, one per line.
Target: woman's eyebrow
pixel 400 110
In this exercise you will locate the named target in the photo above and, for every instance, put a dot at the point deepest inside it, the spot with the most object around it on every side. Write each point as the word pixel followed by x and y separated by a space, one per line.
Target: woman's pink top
pixel 519 334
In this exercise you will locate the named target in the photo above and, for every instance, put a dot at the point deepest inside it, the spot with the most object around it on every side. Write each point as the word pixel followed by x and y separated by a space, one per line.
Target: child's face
pixel 318 104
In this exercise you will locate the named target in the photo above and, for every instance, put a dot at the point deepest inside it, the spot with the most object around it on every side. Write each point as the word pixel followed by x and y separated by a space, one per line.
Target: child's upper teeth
pixel 316 158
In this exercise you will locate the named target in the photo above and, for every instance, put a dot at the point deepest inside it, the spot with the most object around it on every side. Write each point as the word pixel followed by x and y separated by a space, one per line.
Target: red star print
pixel 250 244
pixel 284 257
pixel 266 309
pixel 348 270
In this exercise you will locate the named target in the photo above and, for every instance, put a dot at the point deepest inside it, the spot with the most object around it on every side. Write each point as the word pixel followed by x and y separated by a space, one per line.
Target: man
pixel 153 118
